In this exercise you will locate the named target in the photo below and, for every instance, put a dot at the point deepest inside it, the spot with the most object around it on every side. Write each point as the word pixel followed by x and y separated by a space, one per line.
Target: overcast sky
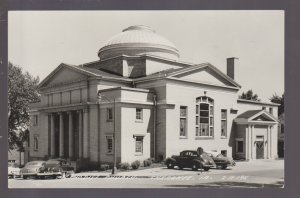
pixel 40 40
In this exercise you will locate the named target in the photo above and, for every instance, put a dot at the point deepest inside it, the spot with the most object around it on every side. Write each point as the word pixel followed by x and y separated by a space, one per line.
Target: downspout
pixel 154 125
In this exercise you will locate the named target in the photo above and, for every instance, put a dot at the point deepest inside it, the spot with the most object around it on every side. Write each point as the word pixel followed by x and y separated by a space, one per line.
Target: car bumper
pixel 28 174
pixel 208 165
pixel 50 174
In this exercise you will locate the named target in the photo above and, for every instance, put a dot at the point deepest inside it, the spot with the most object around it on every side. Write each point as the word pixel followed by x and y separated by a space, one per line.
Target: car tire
pixel 170 165
pixel 224 167
pixel 180 167
pixel 195 167
pixel 206 168
pixel 70 174
pixel 25 177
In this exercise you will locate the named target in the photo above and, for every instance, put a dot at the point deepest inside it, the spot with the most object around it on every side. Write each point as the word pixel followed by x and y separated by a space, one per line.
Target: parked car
pixel 56 168
pixel 220 160
pixel 31 169
pixel 190 159
pixel 13 170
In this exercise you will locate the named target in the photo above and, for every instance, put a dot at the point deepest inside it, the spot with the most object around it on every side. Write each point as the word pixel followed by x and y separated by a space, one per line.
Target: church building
pixel 140 99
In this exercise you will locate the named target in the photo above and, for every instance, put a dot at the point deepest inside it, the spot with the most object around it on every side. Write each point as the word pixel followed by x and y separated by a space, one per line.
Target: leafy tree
pixel 279 100
pixel 22 89
pixel 249 95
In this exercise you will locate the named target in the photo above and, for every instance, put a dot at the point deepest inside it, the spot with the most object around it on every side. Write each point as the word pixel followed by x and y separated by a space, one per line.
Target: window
pixel 109 144
pixel 109 114
pixel 223 123
pixel 35 142
pixel 263 108
pixel 138 114
pixel 35 120
pixel 204 117
pixel 183 125
pixel 139 144
pixel 240 146
pixel 282 128
pixel 271 110
pixel 224 153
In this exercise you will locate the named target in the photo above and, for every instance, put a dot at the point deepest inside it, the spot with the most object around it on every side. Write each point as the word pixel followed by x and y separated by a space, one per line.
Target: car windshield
pixel 53 162
pixel 220 155
pixel 34 163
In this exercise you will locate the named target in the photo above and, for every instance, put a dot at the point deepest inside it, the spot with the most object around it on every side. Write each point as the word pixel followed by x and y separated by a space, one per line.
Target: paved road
pixel 245 175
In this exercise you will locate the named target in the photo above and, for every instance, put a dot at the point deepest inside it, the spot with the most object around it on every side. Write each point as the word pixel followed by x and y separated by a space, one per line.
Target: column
pixel 61 135
pixel 268 143
pixel 270 146
pixel 247 142
pixel 52 135
pixel 71 135
pixel 80 134
pixel 251 142
pixel 85 132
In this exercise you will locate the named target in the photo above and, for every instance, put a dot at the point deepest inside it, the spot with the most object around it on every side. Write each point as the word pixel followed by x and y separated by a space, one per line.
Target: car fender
pixel 199 162
pixel 170 160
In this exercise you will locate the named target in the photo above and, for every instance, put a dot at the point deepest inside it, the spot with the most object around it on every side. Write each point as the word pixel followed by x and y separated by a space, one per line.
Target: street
pixel 244 174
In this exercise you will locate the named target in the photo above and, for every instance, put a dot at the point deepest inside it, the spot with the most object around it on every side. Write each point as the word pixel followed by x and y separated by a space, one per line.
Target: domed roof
pixel 138 40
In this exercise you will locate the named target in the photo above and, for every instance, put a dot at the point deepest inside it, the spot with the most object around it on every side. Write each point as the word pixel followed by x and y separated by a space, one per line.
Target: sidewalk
pixel 255 165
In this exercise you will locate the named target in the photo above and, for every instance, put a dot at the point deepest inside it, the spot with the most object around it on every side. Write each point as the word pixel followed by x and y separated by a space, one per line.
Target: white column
pixel 270 146
pixel 61 135
pixel 85 133
pixel 52 135
pixel 251 142
pixel 247 143
pixel 80 134
pixel 71 135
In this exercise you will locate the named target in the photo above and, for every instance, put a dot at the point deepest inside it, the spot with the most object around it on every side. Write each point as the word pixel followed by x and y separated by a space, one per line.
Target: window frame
pixel 141 140
pixel 35 142
pixel 183 117
pixel 109 114
pixel 271 110
pixel 109 151
pixel 211 111
pixel 137 113
pixel 236 145
pixel 35 120
pixel 226 122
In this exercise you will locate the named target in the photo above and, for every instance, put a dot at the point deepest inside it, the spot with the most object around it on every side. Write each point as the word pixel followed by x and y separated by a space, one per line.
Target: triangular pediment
pixel 256 116
pixel 262 117
pixel 208 75
pixel 63 74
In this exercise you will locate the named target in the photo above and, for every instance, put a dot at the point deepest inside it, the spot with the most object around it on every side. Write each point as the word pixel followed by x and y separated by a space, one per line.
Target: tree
pixel 279 100
pixel 249 96
pixel 22 89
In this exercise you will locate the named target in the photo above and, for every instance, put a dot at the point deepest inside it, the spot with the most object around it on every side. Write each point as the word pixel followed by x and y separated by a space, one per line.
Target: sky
pixel 39 41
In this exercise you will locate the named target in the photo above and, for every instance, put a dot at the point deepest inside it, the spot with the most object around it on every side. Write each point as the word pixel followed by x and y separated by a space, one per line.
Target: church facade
pixel 141 98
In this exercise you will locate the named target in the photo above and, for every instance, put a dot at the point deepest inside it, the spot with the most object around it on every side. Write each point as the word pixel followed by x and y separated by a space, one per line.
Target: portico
pixel 66 129
pixel 256 131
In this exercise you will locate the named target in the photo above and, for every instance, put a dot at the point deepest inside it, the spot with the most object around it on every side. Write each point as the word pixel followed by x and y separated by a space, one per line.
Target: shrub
pixel 147 162
pixel 124 166
pixel 135 164
pixel 104 167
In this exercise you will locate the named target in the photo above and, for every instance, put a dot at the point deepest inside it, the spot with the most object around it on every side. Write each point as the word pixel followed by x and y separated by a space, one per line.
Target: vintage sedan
pixel 190 159
pixel 56 168
pixel 13 170
pixel 31 169
pixel 220 160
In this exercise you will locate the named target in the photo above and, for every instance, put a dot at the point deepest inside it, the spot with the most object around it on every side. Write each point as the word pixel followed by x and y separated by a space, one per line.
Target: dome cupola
pixel 138 40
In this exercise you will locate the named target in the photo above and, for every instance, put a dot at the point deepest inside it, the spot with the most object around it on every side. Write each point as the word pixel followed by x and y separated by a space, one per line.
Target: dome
pixel 138 40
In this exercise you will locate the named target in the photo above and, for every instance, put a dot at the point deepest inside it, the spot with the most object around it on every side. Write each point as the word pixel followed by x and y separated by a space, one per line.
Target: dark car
pixel 220 160
pixel 190 159
pixel 31 169
pixel 56 168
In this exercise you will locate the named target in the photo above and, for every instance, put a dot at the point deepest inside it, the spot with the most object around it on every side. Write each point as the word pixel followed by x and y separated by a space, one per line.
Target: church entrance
pixel 259 150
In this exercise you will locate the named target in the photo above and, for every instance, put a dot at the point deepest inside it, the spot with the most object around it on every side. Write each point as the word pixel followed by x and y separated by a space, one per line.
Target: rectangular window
pixel 271 110
pixel 36 142
pixel 197 109
pixel 240 146
pixel 35 120
pixel 109 112
pixel 109 144
pixel 263 108
pixel 282 128
pixel 223 122
pixel 139 144
pixel 183 124
pixel 139 114
pixel 224 153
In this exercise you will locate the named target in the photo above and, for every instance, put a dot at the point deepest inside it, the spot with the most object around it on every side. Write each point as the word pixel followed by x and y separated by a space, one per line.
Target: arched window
pixel 204 117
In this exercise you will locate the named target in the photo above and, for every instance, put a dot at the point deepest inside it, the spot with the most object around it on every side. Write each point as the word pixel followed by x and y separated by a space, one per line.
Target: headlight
pixel 205 160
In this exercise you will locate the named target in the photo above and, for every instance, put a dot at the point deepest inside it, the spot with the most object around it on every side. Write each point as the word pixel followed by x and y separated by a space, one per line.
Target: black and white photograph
pixel 146 99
